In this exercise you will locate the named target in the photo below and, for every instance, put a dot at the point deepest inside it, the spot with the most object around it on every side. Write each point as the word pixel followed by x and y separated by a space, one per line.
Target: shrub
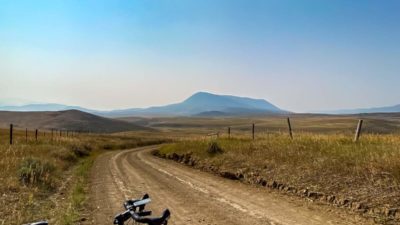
pixel 65 154
pixel 81 151
pixel 35 172
pixel 108 147
pixel 213 148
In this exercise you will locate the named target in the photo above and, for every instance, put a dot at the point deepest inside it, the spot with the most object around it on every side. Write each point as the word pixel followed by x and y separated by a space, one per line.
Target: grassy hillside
pixel 321 163
pixel 65 120
pixel 47 179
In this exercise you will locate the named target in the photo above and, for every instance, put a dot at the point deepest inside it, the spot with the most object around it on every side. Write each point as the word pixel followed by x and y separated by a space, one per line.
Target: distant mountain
pixel 66 120
pixel 198 104
pixel 202 102
pixel 388 109
pixel 212 114
pixel 43 107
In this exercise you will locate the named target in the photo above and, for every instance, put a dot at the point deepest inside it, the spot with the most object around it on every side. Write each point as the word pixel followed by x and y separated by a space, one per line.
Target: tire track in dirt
pixel 194 197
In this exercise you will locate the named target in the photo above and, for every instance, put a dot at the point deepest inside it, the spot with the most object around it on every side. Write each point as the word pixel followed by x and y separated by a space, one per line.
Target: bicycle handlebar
pixel 135 203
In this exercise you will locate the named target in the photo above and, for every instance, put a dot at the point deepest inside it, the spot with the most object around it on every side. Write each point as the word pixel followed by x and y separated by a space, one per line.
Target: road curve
pixel 194 197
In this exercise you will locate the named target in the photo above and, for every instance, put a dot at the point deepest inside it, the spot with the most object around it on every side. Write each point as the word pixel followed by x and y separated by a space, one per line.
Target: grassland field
pixel 47 179
pixel 322 157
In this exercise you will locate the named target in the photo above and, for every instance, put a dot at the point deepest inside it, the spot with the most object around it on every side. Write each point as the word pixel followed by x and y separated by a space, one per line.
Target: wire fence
pixel 26 135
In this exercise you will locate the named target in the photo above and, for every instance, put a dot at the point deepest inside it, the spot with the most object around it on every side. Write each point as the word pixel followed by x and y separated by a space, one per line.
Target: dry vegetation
pixel 366 173
pixel 47 179
pixel 374 123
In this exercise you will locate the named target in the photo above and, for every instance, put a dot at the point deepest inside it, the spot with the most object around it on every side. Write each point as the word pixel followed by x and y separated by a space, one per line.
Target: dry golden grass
pixel 58 160
pixel 367 171
pixel 310 123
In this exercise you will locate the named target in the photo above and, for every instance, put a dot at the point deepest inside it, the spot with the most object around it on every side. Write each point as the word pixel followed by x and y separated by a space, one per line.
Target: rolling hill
pixel 67 120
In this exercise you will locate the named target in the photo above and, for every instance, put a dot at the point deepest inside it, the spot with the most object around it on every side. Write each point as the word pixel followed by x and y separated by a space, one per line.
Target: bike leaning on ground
pixel 135 210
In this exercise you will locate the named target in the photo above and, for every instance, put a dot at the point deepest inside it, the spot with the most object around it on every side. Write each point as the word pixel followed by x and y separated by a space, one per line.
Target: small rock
pixel 228 175
pixel 314 195
pixel 304 192
pixel 261 181
pixel 342 201
pixel 359 206
pixel 330 198
pixel 239 175
pixel 272 184
pixel 391 211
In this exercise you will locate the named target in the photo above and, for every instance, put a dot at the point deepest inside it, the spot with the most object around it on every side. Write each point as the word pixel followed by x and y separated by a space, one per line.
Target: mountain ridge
pixel 196 104
pixel 385 109
pixel 65 120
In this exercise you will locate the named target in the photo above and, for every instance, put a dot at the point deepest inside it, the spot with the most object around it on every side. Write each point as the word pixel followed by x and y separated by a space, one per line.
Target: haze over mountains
pixel 388 109
pixel 199 104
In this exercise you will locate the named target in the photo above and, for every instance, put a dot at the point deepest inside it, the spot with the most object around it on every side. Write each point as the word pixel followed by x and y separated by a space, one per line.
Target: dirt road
pixel 195 197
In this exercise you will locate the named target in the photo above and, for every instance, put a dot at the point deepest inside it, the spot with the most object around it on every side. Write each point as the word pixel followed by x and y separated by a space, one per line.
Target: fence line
pixel 12 134
pixel 289 130
pixel 70 133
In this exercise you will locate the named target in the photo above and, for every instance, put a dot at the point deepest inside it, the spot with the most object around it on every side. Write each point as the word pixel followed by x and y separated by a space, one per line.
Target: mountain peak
pixel 205 101
pixel 198 103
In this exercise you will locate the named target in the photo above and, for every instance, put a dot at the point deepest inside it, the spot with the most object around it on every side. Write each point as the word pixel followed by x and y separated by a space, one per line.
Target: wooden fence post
pixel 229 132
pixel 290 128
pixel 253 130
pixel 36 134
pixel 60 133
pixel 26 135
pixel 358 131
pixel 11 134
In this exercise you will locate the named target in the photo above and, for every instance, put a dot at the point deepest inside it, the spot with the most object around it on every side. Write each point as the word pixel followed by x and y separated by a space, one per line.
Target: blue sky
pixel 301 55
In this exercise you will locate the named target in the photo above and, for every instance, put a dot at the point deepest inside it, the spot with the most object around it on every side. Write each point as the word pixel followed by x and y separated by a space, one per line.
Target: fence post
pixel 11 134
pixel 358 131
pixel 229 132
pixel 26 135
pixel 290 128
pixel 253 130
pixel 60 133
pixel 36 134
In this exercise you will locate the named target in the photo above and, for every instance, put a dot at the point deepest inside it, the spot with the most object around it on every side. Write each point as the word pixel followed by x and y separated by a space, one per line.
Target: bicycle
pixel 135 210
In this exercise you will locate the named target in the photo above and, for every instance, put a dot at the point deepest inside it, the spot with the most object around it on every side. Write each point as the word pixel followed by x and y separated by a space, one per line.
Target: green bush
pixel 35 172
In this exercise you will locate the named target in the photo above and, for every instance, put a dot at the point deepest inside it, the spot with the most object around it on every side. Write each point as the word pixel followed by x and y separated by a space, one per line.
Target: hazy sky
pixel 301 55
